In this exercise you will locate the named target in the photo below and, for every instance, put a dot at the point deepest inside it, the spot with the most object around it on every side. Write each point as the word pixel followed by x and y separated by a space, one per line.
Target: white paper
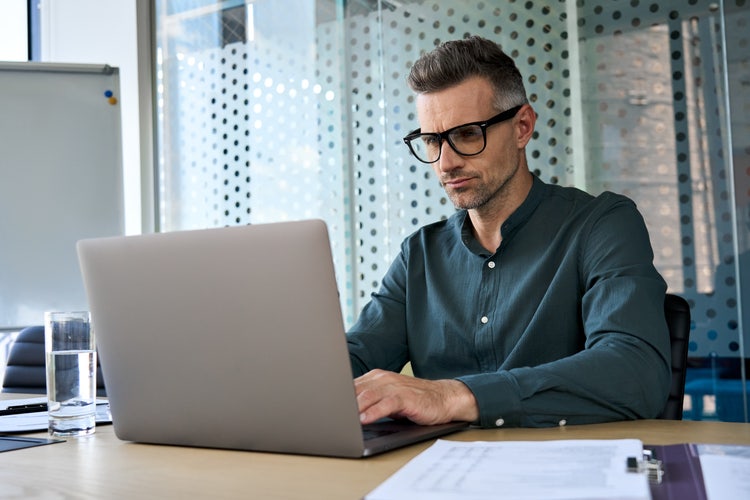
pixel 726 470
pixel 581 469
pixel 39 421
pixel 23 422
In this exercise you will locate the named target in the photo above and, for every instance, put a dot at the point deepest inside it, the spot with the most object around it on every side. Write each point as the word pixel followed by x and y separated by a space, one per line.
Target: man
pixel 534 304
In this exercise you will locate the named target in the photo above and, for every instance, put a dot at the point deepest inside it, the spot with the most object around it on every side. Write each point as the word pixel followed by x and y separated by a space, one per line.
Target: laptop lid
pixel 227 338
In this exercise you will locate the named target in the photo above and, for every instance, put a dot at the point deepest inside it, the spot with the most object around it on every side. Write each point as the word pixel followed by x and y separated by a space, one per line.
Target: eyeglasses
pixel 468 139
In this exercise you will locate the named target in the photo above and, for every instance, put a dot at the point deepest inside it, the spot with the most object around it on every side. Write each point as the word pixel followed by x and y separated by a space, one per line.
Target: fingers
pixel 386 394
pixel 374 397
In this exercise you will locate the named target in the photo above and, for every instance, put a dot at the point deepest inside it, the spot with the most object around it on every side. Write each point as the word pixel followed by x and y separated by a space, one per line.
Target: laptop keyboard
pixel 368 433
pixel 376 432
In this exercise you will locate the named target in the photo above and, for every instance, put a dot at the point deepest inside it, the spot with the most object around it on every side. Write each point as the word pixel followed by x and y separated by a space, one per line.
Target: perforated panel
pixel 657 131
pixel 254 122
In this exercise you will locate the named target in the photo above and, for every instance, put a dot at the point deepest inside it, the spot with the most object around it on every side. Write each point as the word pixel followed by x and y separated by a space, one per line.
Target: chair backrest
pixel 677 312
pixel 25 368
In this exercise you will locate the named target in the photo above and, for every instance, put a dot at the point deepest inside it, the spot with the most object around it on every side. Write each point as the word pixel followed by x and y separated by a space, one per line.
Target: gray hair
pixel 454 61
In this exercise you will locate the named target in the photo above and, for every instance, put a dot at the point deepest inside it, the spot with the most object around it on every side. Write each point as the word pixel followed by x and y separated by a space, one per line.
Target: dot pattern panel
pixel 260 153
pixel 254 136
pixel 656 127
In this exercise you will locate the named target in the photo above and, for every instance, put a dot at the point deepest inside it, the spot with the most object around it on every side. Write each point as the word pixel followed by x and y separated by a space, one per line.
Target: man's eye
pixel 430 140
pixel 467 133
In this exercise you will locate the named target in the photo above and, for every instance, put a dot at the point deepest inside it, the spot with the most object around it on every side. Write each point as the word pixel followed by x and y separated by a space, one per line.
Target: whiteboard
pixel 60 181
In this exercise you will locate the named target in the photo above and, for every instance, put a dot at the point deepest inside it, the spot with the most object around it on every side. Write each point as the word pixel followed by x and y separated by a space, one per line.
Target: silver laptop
pixel 230 338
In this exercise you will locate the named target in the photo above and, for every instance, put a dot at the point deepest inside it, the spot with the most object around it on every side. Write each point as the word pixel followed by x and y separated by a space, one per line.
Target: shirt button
pixel 499 422
pixel 484 320
pixel 491 265
pixel 562 423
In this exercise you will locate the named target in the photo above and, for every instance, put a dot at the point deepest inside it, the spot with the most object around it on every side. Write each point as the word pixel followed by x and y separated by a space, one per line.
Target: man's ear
pixel 525 120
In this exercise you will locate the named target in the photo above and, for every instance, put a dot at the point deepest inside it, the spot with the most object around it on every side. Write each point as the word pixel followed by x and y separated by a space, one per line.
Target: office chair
pixel 677 312
pixel 25 369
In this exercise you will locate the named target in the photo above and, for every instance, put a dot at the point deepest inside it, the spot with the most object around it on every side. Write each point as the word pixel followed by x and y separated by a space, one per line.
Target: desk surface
pixel 102 466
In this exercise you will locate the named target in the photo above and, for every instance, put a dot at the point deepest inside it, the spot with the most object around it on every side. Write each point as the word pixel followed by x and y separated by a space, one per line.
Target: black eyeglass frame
pixel 445 135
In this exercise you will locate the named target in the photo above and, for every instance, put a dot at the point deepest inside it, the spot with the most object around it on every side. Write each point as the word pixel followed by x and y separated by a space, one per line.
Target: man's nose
pixel 449 159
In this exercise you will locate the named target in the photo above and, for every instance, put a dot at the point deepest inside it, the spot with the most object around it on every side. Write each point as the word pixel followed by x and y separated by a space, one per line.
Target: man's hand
pixel 386 394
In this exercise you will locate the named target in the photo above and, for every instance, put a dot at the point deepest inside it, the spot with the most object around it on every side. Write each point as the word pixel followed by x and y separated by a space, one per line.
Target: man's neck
pixel 489 218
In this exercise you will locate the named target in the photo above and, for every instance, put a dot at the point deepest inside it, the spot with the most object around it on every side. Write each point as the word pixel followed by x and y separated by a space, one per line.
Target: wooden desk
pixel 102 466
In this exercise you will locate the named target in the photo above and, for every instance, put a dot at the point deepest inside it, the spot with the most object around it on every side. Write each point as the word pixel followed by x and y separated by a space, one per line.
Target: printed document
pixel 726 470
pixel 582 469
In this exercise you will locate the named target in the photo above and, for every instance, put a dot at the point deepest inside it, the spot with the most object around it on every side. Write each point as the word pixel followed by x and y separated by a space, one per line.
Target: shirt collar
pixel 523 212
pixel 517 219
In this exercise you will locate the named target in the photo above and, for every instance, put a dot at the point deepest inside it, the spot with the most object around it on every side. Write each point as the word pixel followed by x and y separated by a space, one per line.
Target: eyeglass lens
pixel 468 140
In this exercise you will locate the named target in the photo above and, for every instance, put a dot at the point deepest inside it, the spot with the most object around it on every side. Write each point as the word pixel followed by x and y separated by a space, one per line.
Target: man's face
pixel 472 182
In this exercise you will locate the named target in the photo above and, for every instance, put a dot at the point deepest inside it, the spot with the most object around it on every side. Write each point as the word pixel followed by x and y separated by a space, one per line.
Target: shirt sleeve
pixel 378 338
pixel 624 370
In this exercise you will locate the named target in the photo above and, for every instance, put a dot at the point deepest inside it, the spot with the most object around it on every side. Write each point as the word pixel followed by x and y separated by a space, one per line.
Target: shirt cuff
pixel 498 399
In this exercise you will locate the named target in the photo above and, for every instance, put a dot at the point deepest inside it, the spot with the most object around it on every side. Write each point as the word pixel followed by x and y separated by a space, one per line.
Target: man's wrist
pixel 462 404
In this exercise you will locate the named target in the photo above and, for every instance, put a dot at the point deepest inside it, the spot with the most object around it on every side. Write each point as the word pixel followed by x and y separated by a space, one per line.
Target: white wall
pixel 13 31
pixel 102 32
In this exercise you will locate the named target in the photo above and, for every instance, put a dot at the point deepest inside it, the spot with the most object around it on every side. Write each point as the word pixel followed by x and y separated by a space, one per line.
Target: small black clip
pixel 19 409
pixel 648 464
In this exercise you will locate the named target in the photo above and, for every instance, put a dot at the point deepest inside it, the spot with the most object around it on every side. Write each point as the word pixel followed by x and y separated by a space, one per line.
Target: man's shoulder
pixel 574 195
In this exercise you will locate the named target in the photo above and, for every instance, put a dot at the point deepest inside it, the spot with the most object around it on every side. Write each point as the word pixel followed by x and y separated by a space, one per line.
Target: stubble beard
pixel 471 199
pixel 482 196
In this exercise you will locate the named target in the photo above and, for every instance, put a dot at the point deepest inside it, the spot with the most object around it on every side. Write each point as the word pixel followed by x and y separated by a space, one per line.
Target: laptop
pixel 230 338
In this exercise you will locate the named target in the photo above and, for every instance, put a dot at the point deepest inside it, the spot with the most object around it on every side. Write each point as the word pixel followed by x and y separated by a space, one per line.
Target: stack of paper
pixel 582 469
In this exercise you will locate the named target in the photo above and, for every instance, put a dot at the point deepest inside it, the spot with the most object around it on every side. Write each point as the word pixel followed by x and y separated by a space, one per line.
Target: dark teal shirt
pixel 564 323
